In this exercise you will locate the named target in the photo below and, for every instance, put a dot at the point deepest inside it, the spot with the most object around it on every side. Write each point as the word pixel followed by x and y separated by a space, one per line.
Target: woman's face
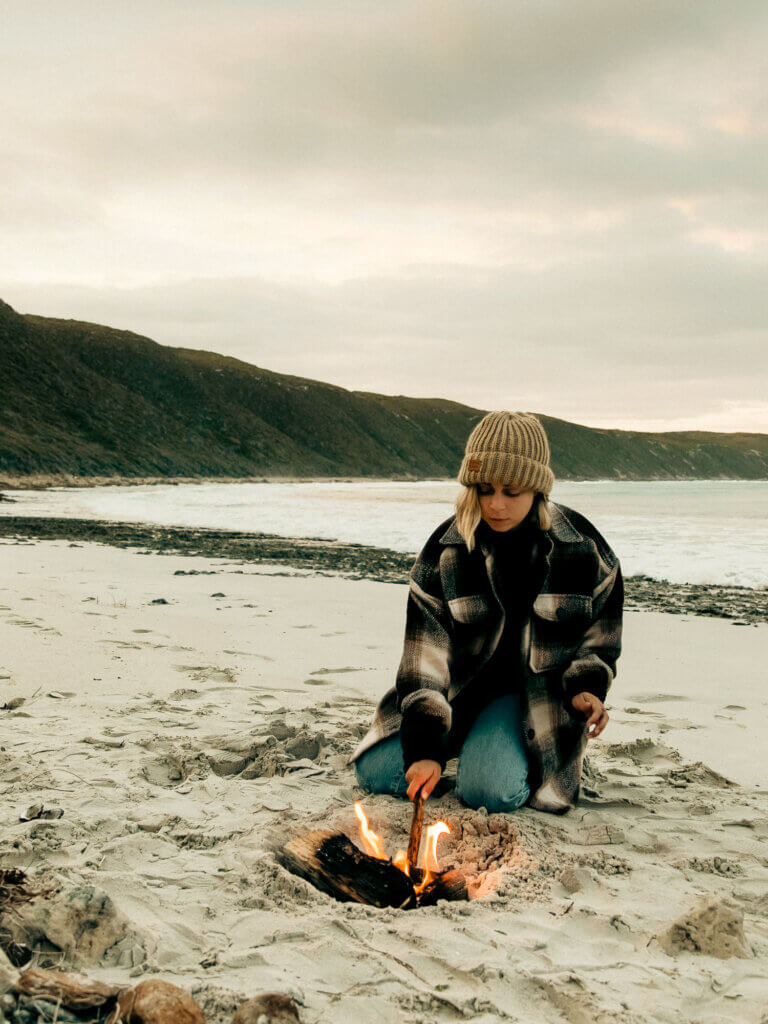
pixel 504 507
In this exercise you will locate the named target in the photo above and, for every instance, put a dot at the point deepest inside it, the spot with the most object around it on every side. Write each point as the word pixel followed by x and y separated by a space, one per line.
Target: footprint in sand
pixel 184 694
pixel 250 654
pixel 335 671
pixel 656 698
pixel 208 673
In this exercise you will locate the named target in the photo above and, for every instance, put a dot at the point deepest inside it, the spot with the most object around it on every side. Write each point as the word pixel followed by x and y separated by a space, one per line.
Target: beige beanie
pixel 508 448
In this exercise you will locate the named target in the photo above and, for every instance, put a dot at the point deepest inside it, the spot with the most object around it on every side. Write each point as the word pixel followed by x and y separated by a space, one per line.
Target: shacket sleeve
pixel 423 676
pixel 593 667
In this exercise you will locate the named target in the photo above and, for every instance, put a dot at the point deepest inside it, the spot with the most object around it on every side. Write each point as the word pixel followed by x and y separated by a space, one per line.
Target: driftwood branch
pixel 333 864
pixel 417 824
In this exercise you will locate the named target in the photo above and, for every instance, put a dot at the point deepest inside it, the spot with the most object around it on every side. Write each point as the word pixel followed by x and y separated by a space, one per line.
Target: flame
pixel 371 841
pixel 429 862
pixel 400 860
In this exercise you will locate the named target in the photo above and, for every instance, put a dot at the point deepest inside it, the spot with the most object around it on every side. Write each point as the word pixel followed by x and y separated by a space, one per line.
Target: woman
pixel 513 629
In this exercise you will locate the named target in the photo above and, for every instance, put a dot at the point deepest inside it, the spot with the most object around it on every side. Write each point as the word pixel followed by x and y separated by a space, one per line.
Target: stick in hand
pixel 417 823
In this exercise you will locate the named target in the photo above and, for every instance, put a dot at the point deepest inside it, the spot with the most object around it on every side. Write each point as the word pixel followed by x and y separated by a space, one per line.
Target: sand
pixel 186 724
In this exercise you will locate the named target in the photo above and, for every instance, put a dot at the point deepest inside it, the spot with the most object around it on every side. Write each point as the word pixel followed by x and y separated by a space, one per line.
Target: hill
pixel 85 400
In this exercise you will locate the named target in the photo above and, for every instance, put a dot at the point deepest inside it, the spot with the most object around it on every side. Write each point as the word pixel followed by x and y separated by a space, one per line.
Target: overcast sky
pixel 551 205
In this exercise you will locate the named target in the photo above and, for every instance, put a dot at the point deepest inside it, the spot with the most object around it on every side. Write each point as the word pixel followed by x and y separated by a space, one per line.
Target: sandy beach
pixel 188 714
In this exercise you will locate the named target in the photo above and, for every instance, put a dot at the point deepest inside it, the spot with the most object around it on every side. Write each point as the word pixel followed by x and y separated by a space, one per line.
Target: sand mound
pixel 713 928
pixel 83 923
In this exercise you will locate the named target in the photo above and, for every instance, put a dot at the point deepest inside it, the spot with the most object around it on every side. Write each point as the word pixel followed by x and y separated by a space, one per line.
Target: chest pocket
pixel 558 624
pixel 471 610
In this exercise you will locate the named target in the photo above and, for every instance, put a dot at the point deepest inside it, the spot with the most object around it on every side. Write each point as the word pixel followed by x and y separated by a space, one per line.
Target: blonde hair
pixel 468 513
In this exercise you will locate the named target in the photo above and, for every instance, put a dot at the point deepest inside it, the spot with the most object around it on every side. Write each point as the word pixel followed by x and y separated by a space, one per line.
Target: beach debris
pixel 38 811
pixel 218 594
pixel 333 864
pixel 59 696
pixel 267 1008
pixel 157 1002
pixel 159 600
pixel 9 974
pixel 714 928
pixel 71 992
pixel 13 895
pixel 12 704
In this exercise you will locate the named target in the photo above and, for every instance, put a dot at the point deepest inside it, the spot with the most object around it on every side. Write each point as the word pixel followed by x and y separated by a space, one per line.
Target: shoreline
pixel 742 605
pixel 50 481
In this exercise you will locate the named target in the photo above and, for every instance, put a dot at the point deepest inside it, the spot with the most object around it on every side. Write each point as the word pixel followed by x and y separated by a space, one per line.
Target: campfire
pixel 333 864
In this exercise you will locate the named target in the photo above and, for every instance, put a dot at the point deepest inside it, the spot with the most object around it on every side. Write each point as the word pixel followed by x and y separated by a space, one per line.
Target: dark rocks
pixel 357 561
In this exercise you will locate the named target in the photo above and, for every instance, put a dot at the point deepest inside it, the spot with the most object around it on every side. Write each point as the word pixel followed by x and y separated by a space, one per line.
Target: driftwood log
pixel 333 864
pixel 72 991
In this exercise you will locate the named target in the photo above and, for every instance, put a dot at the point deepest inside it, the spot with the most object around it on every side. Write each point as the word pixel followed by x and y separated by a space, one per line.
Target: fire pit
pixel 333 864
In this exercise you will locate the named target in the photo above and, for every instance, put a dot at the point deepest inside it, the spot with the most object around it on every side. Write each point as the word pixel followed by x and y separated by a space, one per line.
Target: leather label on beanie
pixel 475 465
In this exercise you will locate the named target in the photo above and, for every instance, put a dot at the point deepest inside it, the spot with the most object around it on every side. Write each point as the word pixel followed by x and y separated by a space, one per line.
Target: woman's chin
pixel 500 525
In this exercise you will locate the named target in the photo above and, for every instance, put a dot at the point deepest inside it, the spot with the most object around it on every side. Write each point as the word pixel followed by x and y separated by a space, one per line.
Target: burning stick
pixel 336 866
pixel 417 823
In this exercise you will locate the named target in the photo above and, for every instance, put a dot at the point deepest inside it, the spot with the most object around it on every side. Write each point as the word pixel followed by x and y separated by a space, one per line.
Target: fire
pixel 371 841
pixel 400 860
pixel 429 864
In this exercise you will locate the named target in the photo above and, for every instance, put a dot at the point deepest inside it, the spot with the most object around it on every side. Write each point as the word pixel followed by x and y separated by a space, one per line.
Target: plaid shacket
pixel 570 643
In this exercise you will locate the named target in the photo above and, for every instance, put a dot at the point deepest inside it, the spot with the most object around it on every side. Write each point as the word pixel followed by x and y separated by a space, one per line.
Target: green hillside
pixel 85 400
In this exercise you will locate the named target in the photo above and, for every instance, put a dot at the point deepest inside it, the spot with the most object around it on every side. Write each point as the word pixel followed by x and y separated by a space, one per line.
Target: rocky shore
pixel 742 605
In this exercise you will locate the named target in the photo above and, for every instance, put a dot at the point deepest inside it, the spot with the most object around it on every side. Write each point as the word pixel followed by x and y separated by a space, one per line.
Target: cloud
pixel 370 193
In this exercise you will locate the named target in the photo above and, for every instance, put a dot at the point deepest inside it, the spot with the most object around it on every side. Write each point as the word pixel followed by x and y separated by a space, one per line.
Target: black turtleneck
pixel 517 578
pixel 517 556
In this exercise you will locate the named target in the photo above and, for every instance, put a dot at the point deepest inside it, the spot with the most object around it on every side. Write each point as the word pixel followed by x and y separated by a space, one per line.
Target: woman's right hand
pixel 424 776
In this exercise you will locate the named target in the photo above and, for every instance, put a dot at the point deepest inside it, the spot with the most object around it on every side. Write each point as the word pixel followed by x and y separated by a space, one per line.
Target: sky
pixel 558 206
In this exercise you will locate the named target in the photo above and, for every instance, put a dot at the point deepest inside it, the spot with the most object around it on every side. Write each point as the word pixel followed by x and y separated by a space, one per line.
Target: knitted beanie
pixel 508 448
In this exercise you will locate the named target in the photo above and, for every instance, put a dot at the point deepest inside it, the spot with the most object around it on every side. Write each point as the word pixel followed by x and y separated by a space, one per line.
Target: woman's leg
pixel 380 769
pixel 493 766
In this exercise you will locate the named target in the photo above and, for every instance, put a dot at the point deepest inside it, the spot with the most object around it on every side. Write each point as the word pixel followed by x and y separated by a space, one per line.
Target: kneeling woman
pixel 513 628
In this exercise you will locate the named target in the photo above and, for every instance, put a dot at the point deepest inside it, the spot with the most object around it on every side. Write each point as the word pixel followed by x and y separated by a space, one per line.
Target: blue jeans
pixel 493 766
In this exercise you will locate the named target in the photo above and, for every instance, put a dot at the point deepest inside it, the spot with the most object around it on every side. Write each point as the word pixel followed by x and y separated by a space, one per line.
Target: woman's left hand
pixel 593 710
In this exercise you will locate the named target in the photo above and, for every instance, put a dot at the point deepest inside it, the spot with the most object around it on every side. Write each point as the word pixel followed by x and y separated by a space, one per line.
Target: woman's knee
pixel 381 770
pixel 496 792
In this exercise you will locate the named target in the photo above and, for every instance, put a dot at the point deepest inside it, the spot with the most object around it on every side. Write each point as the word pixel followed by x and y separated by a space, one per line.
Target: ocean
pixel 710 531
